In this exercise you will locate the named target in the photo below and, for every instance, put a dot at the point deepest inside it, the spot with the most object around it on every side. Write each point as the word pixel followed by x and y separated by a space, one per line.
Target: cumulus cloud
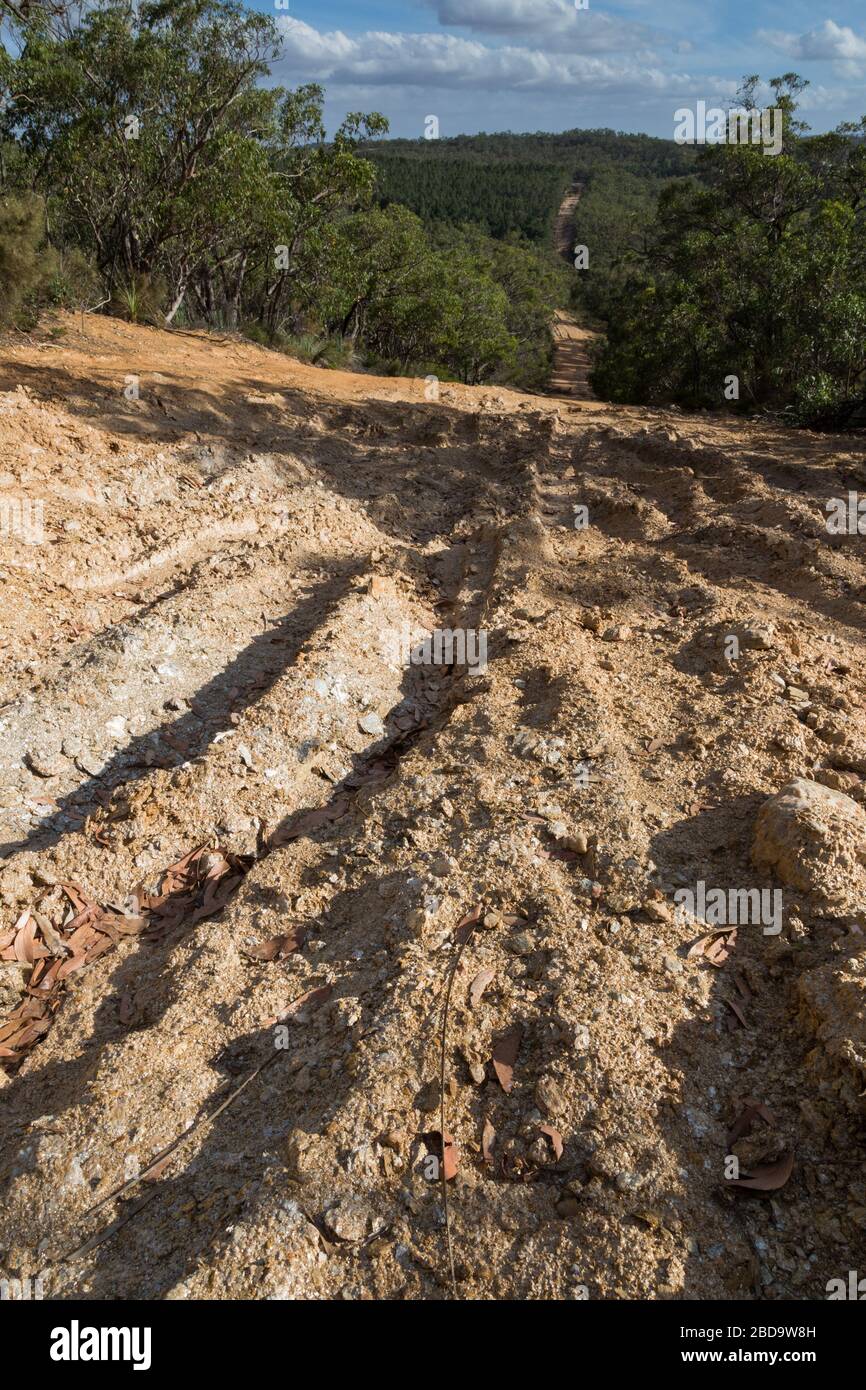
pixel 382 59
pixel 504 16
pixel 588 31
pixel 830 41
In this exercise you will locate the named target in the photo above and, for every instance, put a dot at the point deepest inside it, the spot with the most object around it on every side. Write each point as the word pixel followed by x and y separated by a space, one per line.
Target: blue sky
pixel 543 65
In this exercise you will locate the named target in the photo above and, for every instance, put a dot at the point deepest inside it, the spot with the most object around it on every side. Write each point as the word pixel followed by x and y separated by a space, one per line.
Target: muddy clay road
pixel 240 830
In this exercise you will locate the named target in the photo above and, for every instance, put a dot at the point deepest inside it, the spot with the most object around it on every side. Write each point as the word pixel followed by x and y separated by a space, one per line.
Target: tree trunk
pixel 233 305
pixel 178 300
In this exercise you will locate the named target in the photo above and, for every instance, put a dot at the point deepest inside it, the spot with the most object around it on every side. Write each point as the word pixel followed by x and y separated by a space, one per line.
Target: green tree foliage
pixel 132 118
pixel 508 196
pixel 515 183
pixel 385 288
pixel 611 220
pixel 203 195
pixel 26 261
pixel 534 283
pixel 33 273
pixel 757 270
pixel 466 306
pixel 160 151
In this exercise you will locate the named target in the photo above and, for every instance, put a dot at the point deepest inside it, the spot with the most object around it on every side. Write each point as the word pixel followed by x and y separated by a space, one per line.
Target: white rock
pixel 371 724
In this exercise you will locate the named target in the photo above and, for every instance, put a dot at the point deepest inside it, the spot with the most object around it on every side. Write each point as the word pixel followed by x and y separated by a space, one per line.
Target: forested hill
pixel 514 183
pixel 509 195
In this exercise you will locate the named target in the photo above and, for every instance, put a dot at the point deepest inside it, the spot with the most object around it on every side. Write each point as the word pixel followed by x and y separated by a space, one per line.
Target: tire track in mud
pixel 382 760
pixel 195 550
pixel 469 613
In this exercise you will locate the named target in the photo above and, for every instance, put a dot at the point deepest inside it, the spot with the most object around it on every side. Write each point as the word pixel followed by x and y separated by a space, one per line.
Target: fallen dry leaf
pixel 197 886
pixel 25 941
pixel 555 1139
pixel 449 1157
pixel 71 965
pixel 714 946
pixel 699 948
pixel 278 947
pixel 446 1153
pixel 464 928
pixel 316 997
pixel 769 1177
pixel 752 1110
pixel 718 950
pixel 735 1009
pixel 99 834
pixel 55 944
pixel 488 1134
pixel 479 985
pixel 505 1049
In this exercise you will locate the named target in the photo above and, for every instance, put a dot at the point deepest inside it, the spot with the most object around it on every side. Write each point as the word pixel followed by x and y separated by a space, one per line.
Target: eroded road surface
pixel 243 816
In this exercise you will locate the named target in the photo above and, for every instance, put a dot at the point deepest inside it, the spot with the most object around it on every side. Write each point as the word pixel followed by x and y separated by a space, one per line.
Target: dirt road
pixel 571 359
pixel 572 344
pixel 243 817
pixel 563 232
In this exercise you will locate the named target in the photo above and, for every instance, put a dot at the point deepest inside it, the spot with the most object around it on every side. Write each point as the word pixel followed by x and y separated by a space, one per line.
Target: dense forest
pixel 147 167
pixel 580 150
pixel 505 197
pixel 722 277
pixel 749 291
pixel 515 183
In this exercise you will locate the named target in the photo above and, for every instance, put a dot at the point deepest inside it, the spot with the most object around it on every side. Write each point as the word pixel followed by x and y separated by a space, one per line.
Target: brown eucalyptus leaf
pixel 768 1177
pixel 479 985
pixel 488 1134
pixel 505 1049
pixel 555 1139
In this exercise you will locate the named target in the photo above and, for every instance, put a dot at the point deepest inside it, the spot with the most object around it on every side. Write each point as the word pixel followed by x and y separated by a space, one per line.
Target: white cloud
pixel 504 16
pixel 535 77
pixel 587 31
pixel 428 61
pixel 830 41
